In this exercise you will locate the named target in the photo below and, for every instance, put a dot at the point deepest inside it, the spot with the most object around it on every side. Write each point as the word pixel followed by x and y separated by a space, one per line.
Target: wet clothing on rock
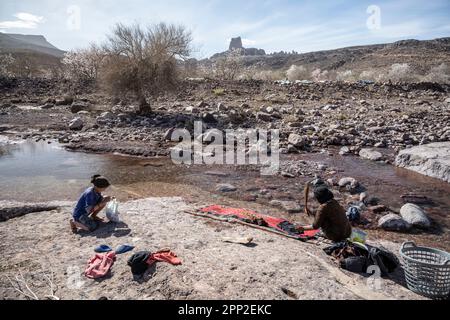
pixel 99 265
pixel 140 261
pixel 252 217
pixel 332 219
pixel 88 200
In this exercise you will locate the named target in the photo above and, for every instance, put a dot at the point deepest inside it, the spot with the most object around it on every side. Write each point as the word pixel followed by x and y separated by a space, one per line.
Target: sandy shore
pixel 37 245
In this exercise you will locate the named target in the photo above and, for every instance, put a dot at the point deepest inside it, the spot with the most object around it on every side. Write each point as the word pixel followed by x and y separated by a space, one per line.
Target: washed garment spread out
pixel 253 217
pixel 99 265
pixel 164 256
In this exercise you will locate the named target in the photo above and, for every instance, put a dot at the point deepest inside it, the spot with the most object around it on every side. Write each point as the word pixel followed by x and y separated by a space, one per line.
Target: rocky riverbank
pixel 38 248
pixel 373 121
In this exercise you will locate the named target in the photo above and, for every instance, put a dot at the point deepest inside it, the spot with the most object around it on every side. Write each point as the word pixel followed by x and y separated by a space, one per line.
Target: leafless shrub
pixel 6 63
pixel 297 73
pixel 269 75
pixel 440 74
pixel 401 72
pixel 83 64
pixel 143 61
pixel 319 75
pixel 346 75
pixel 228 67
pixel 371 74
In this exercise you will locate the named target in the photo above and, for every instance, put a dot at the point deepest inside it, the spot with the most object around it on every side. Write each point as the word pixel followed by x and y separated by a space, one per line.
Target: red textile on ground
pixel 164 256
pixel 99 265
pixel 242 214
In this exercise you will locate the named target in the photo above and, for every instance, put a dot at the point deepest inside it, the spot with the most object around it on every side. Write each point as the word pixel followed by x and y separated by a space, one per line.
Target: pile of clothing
pixel 356 257
pixel 102 262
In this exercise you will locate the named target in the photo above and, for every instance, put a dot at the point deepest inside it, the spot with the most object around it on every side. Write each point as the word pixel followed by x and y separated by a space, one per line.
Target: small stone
pixel 225 188
pixel 264 116
pixel 348 181
pixel 202 105
pixel 209 117
pixel 168 134
pixel 76 124
pixel 296 140
pixel 344 151
pixel 378 209
pixel 48 105
pixel 370 154
pixel 78 106
pixel 289 206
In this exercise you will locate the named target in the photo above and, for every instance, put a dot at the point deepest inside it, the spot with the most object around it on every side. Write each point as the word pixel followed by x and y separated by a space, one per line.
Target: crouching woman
pixel 330 217
pixel 89 205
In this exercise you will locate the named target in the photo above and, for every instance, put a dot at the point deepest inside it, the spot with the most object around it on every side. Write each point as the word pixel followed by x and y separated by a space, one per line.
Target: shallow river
pixel 42 171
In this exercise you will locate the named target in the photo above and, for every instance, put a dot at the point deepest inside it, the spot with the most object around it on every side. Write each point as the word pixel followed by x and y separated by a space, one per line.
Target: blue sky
pixel 273 25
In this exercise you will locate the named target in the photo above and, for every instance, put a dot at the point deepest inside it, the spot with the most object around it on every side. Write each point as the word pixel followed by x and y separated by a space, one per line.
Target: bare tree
pixel 143 61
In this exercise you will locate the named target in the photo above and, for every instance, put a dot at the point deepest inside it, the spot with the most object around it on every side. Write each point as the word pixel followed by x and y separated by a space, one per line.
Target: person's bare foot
pixel 73 227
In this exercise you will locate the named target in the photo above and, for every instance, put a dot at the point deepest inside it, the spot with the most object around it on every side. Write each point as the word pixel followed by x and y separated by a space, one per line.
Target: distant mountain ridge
pixel 419 54
pixel 13 43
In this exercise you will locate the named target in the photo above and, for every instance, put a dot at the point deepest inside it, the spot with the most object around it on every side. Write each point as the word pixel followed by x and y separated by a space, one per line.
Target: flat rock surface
pixel 39 244
pixel 432 160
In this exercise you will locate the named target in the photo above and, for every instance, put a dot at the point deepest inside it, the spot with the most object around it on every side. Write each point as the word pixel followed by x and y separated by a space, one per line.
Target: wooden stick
pixel 241 222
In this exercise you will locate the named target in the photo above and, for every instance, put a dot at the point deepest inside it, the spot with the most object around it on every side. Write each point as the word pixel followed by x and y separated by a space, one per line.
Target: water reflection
pixel 38 171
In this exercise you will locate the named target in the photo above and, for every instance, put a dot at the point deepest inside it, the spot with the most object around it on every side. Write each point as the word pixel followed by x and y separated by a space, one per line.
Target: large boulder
pixel 415 216
pixel 431 160
pixel 370 154
pixel 393 222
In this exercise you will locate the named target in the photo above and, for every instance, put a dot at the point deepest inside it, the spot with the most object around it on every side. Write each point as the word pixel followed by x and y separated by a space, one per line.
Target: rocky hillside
pixel 14 43
pixel 420 55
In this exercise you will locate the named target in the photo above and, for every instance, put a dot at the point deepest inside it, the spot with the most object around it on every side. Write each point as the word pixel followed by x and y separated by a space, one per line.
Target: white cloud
pixel 26 21
pixel 24 16
pixel 248 42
